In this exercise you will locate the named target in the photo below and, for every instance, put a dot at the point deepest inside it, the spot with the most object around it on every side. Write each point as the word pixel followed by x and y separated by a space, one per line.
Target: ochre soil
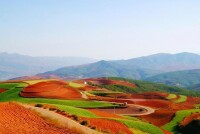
pixel 51 89
pixel 15 119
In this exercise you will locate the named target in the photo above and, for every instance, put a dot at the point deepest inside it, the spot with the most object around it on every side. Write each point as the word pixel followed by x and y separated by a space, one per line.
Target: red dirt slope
pixel 110 126
pixel 51 89
pixel 23 121
pixel 159 117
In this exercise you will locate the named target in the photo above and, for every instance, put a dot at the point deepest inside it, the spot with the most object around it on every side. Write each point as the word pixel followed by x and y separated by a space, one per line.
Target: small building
pixel 85 82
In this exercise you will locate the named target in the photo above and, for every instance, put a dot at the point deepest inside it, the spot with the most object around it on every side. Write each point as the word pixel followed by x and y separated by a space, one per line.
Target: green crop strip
pixel 180 115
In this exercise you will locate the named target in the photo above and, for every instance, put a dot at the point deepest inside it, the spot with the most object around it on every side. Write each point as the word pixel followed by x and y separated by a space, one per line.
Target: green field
pixel 180 115
pixel 8 85
pixel 171 96
pixel 77 111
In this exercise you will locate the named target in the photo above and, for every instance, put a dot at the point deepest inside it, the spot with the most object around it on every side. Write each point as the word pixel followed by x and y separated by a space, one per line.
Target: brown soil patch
pixel 17 119
pixel 51 89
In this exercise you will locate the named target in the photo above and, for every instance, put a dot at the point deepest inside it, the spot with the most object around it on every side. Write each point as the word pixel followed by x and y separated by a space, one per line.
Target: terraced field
pixel 107 105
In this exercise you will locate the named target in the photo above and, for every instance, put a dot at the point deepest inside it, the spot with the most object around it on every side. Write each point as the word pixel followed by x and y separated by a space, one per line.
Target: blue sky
pixel 101 29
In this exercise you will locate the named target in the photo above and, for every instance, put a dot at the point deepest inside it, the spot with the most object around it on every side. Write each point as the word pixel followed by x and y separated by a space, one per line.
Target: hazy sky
pixel 102 29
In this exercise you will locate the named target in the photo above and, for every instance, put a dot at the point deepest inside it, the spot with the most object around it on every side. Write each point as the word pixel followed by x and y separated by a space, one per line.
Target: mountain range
pixel 182 69
pixel 15 65
pixel 184 78
pixel 136 68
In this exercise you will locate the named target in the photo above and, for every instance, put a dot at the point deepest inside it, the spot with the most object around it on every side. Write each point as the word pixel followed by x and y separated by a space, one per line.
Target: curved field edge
pixel 13 95
pixel 171 96
pixel 7 86
pixel 180 115
pixel 182 98
pixel 142 126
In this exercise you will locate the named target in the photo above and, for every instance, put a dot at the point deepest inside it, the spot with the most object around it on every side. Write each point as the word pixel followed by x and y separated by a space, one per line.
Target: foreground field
pixel 14 120
pixel 105 105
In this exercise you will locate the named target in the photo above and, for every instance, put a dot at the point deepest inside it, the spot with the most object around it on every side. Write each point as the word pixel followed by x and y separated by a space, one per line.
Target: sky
pixel 100 29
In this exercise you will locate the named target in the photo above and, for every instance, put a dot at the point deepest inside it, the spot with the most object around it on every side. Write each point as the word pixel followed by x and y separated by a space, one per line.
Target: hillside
pixel 195 87
pixel 102 69
pixel 178 78
pixel 145 86
pixel 136 68
pixel 95 105
pixel 165 62
pixel 15 65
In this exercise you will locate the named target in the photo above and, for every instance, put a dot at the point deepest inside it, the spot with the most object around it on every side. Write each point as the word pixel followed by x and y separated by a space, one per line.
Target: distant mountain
pixel 15 65
pixel 165 62
pixel 178 78
pixel 137 68
pixel 195 87
pixel 102 69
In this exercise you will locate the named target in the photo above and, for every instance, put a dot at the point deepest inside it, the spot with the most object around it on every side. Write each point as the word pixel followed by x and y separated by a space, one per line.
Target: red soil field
pixel 192 100
pixel 51 89
pixel 111 126
pixel 104 114
pixel 159 117
pixel 23 121
pixel 155 103
pixel 187 120
pixel 2 90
